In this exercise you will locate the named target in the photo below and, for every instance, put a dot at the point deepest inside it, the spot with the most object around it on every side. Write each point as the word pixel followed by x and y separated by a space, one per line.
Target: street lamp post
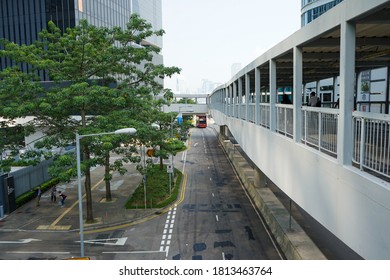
pixel 179 118
pixel 80 195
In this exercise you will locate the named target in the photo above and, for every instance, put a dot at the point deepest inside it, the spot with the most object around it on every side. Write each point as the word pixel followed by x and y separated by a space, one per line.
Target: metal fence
pixel 265 115
pixel 27 178
pixel 319 129
pixel 371 138
pixel 285 120
pixel 371 142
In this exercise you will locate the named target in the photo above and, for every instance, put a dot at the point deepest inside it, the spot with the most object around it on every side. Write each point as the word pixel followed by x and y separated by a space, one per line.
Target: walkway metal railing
pixel 265 114
pixel 371 142
pixel 319 129
pixel 285 120
pixel 252 112
pixel 371 132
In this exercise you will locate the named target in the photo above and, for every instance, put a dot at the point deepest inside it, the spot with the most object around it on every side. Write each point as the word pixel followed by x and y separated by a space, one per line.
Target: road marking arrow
pixel 20 241
pixel 110 241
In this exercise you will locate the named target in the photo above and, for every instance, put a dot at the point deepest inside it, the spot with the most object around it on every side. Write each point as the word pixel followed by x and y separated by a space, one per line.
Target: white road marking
pixel 110 241
pixel 166 239
pixel 134 252
pixel 20 241
pixel 114 186
pixel 217 218
pixel 223 255
pixel 37 252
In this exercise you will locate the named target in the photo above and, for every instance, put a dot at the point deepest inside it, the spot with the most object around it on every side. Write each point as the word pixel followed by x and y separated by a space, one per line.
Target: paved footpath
pixel 51 216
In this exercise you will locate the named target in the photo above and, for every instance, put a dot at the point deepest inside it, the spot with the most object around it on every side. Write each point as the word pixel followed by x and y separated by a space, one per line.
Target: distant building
pixel 208 86
pixel 21 21
pixel 312 9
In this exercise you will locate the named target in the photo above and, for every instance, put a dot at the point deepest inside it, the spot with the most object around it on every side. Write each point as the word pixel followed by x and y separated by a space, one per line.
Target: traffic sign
pixel 150 152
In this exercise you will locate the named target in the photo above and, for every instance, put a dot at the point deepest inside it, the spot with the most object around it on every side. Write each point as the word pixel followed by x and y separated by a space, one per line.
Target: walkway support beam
pixel 297 93
pixel 347 91
pixel 273 94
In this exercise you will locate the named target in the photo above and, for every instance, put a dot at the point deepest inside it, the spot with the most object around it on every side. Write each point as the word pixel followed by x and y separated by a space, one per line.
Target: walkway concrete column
pixel 273 94
pixel 247 95
pixel 297 93
pixel 231 100
pixel 234 99
pixel 225 101
pixel 347 88
pixel 240 103
pixel 258 95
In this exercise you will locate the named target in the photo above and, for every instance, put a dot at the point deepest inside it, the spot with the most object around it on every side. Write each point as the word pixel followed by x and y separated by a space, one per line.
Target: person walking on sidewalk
pixel 39 194
pixel 53 194
pixel 63 197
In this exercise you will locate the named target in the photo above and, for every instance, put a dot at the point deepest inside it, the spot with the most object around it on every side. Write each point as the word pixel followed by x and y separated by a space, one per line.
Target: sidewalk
pixel 50 216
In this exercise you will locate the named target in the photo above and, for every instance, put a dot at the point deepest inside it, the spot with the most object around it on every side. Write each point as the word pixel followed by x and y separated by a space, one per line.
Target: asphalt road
pixel 214 220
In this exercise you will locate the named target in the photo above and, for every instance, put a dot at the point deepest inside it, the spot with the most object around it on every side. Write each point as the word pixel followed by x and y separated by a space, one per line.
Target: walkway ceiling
pixel 321 56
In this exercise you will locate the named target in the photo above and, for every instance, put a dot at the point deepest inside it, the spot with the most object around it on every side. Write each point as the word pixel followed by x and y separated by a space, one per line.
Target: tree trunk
pixel 107 177
pixel 161 163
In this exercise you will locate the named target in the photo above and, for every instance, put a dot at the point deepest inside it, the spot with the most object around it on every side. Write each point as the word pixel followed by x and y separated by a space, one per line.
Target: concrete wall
pixel 291 238
pixel 353 205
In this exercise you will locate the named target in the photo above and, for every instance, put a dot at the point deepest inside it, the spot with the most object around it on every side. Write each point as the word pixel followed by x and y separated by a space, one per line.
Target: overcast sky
pixel 205 37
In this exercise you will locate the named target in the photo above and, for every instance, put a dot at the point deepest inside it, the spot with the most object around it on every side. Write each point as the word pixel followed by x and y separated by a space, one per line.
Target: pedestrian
pixel 337 105
pixel 286 99
pixel 314 101
pixel 53 194
pixel 63 197
pixel 39 194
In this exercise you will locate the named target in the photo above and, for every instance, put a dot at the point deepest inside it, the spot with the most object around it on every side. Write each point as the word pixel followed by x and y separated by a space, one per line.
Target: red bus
pixel 201 121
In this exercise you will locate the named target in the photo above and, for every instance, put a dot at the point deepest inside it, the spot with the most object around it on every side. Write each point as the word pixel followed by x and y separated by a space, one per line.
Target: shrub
pixel 27 196
pixel 157 190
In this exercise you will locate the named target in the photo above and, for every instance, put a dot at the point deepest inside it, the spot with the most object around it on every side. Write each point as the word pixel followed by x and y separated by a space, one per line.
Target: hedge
pixel 158 195
pixel 30 195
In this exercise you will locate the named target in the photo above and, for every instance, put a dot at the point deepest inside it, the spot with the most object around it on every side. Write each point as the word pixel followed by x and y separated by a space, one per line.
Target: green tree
pixel 96 71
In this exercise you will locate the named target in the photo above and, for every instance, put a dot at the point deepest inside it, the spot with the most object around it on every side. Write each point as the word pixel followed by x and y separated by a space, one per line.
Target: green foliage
pixel 157 190
pixel 186 100
pixel 99 75
pixel 64 167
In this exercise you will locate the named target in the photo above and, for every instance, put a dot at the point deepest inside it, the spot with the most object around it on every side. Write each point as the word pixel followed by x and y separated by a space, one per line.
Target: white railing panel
pixel 371 150
pixel 285 120
pixel 319 129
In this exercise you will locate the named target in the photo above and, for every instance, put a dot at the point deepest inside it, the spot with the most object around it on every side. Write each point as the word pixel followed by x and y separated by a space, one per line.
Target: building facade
pixel 312 9
pixel 22 20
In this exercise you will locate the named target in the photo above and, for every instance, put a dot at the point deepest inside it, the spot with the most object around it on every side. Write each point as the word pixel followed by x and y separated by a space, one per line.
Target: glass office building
pixel 22 20
pixel 312 9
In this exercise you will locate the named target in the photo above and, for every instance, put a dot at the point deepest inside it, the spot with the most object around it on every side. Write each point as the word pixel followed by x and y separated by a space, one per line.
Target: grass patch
pixel 157 190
